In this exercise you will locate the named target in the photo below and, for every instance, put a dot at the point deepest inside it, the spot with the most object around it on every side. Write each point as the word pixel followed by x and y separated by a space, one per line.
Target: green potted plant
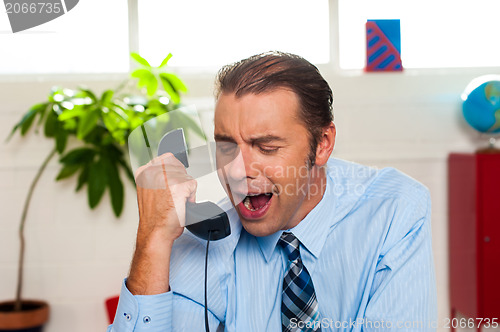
pixel 98 127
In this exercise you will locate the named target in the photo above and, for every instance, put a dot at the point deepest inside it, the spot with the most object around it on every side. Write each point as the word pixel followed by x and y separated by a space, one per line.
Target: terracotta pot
pixel 32 317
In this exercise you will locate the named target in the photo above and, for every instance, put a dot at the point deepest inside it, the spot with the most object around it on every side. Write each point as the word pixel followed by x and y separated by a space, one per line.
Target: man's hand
pixel 163 187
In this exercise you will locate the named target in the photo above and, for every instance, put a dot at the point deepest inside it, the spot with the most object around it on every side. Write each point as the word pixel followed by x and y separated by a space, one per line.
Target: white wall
pixel 77 257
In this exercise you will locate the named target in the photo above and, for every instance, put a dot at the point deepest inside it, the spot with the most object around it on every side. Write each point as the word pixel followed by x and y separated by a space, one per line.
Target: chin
pixel 258 228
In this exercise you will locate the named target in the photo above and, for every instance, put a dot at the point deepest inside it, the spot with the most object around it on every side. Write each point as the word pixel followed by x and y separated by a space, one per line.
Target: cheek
pixel 272 172
pixel 287 174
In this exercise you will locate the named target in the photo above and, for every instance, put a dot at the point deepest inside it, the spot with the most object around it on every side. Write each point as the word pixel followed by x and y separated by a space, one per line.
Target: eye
pixel 225 147
pixel 268 149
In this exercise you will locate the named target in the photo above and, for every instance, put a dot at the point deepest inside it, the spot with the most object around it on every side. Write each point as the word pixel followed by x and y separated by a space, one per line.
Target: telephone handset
pixel 204 219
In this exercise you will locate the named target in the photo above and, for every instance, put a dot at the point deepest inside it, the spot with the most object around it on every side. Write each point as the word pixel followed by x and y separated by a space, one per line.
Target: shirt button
pixel 146 319
pixel 127 316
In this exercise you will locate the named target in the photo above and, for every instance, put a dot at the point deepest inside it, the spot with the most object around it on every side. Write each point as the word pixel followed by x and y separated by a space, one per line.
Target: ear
pixel 325 145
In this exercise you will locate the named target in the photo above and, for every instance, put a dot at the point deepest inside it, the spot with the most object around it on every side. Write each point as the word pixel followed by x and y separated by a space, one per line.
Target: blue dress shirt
pixel 366 244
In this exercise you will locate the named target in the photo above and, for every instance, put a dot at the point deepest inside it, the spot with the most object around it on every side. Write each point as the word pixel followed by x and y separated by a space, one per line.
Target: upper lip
pixel 251 193
pixel 248 189
pixel 257 193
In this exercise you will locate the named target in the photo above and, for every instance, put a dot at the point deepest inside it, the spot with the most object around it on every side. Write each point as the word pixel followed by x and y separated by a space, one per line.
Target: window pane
pixel 213 33
pixel 90 38
pixel 434 33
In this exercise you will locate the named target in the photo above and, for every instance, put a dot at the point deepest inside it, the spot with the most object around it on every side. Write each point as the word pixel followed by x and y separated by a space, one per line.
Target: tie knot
pixel 290 245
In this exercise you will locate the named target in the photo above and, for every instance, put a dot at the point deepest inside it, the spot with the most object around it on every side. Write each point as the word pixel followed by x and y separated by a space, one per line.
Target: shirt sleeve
pixel 403 293
pixel 137 313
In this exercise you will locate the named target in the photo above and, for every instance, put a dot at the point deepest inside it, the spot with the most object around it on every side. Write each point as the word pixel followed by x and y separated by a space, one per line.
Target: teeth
pixel 247 204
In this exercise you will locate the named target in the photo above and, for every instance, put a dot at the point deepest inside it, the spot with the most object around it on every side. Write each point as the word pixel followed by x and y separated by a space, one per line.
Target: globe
pixel 481 104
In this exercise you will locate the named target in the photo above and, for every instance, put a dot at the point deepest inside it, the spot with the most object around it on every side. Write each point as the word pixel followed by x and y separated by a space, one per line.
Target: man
pixel 317 243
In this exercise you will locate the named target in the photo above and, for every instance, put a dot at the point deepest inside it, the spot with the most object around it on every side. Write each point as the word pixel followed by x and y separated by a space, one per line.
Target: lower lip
pixel 247 214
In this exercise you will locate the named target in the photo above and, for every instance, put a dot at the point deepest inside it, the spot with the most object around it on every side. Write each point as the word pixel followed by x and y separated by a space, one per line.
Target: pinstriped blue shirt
pixel 366 244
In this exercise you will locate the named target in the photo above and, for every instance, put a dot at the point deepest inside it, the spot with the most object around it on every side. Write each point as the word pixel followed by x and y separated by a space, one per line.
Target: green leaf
pixel 27 120
pixel 106 97
pixel 88 122
pixel 56 95
pixel 115 186
pixel 135 122
pixel 12 132
pixel 146 79
pixel 120 136
pixel 61 139
pixel 152 86
pixel 175 81
pixel 116 126
pixel 110 121
pixel 140 59
pixel 50 124
pixel 69 114
pixel 165 61
pixel 42 109
pixel 141 74
pixel 70 125
pixel 78 156
pixel 67 171
pixel 169 89
pixel 89 93
pixel 156 110
pixel 120 112
pixel 83 177
pixel 96 183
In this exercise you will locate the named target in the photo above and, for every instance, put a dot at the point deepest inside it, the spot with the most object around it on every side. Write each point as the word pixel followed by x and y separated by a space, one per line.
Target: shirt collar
pixel 311 231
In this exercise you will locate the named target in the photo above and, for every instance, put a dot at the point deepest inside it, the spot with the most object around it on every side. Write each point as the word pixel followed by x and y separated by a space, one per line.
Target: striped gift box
pixel 383 45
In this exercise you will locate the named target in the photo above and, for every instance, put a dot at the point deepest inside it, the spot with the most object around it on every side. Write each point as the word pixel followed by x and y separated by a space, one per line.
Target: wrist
pixel 149 272
pixel 157 239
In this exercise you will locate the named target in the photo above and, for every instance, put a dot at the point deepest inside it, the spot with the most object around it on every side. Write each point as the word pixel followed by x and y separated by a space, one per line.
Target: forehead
pixel 257 113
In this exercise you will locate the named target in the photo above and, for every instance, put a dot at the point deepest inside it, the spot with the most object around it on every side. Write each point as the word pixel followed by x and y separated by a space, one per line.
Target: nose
pixel 242 166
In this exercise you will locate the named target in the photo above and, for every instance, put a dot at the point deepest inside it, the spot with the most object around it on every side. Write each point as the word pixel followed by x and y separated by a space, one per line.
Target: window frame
pixel 205 74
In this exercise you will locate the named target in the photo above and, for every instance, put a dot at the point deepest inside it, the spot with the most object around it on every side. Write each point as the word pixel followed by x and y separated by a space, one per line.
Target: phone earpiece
pixel 203 219
pixel 207 218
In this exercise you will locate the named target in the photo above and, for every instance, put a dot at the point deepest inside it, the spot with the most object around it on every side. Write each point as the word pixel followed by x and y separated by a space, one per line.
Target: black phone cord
pixel 207 328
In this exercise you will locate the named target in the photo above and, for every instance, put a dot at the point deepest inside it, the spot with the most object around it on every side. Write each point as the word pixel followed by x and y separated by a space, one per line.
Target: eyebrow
pixel 223 138
pixel 256 140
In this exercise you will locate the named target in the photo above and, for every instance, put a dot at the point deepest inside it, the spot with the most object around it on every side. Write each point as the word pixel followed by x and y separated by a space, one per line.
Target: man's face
pixel 270 182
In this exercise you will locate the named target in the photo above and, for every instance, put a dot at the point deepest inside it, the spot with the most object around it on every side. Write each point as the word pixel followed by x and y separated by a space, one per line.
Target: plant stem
pixel 17 306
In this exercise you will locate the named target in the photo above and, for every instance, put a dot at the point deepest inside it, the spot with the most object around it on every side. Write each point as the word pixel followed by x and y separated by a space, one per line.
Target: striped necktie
pixel 299 307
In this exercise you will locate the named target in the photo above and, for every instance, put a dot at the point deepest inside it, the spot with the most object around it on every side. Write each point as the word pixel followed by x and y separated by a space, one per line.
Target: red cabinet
pixel 474 234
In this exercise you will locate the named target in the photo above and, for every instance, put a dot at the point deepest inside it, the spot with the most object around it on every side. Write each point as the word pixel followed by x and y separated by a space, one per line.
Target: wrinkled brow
pixel 254 140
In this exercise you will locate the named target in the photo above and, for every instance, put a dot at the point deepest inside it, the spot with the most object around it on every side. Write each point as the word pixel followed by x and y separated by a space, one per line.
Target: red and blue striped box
pixel 383 45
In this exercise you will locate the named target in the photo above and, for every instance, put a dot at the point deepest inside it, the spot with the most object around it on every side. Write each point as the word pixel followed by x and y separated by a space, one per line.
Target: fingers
pixel 168 159
pixel 193 185
pixel 163 186
pixel 165 164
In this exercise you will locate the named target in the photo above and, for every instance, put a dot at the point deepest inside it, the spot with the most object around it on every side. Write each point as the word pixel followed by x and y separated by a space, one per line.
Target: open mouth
pixel 255 206
pixel 257 202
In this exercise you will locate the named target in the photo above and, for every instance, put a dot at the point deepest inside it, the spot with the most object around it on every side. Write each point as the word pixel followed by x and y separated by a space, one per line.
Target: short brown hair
pixel 269 71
